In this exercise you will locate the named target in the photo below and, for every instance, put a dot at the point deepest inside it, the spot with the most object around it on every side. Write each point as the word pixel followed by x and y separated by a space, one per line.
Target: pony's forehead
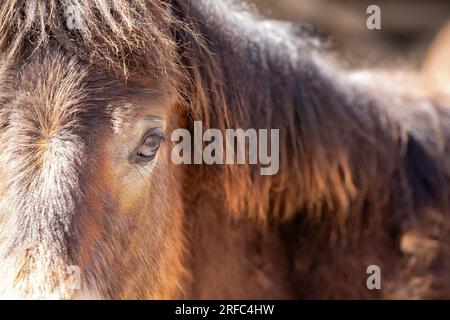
pixel 53 89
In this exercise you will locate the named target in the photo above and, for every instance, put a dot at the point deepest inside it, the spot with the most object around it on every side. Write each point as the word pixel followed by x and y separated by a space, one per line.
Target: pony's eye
pixel 150 144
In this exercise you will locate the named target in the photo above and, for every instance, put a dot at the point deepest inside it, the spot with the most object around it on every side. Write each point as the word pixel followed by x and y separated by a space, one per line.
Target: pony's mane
pixel 348 152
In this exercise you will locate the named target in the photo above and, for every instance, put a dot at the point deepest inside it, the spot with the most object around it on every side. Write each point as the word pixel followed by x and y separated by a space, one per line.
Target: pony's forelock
pixel 130 39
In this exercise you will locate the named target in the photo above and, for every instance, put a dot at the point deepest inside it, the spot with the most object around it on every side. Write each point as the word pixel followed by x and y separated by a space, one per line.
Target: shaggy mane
pixel 131 39
pixel 353 155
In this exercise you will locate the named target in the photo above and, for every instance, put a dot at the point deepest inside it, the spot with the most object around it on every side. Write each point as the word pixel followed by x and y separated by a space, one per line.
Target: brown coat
pixel 364 160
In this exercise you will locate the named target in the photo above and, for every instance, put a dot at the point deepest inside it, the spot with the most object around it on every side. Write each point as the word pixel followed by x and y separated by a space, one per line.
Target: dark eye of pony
pixel 150 144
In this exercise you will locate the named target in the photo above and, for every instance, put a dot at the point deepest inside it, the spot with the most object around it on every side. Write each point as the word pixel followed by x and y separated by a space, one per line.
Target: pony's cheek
pixel 127 186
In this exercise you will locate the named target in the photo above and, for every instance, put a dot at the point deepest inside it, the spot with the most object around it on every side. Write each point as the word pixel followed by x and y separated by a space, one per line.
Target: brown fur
pixel 364 169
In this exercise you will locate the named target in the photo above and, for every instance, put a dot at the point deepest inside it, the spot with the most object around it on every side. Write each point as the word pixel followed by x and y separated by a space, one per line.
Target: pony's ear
pixel 436 66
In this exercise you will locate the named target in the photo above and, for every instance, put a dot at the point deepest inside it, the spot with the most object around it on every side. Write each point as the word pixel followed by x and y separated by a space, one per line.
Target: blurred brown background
pixel 408 27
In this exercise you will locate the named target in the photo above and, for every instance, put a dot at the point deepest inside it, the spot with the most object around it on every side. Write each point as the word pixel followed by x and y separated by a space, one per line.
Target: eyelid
pixel 157 123
pixel 157 130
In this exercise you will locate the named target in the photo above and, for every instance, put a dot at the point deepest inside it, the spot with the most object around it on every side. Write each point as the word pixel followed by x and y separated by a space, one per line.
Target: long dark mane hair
pixel 360 163
pixel 347 152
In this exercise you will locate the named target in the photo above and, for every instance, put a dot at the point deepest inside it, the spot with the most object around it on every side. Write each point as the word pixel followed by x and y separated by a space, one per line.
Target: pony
pixel 87 181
